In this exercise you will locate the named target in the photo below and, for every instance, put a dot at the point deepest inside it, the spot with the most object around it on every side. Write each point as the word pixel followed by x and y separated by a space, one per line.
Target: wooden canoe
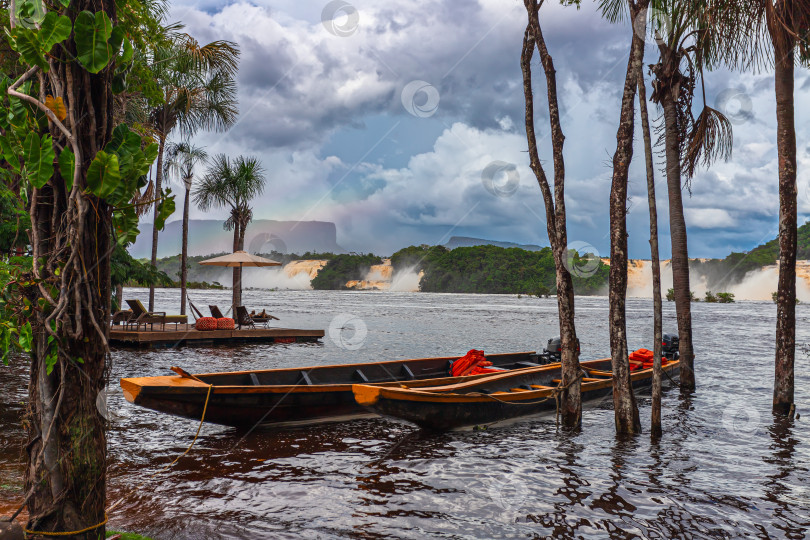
pixel 293 396
pixel 493 398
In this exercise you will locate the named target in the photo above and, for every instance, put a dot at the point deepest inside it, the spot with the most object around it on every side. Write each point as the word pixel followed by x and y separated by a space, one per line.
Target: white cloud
pixel 324 115
pixel 709 218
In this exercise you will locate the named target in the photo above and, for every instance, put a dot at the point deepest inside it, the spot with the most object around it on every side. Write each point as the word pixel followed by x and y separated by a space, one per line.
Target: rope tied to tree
pixel 555 393
pixel 70 533
pixel 164 469
pixel 93 527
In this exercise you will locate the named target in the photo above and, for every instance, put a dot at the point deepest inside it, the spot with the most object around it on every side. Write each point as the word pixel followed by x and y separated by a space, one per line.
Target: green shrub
pixel 725 298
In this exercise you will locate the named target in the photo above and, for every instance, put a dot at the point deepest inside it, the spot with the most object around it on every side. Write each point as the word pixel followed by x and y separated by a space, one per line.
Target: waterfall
pixel 757 284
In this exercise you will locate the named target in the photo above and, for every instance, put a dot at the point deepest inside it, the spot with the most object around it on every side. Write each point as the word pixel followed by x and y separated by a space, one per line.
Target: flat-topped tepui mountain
pixel 207 236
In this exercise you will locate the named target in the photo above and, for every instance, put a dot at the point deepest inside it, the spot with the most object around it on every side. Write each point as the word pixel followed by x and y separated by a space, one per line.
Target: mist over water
pixel 756 285
pixel 724 468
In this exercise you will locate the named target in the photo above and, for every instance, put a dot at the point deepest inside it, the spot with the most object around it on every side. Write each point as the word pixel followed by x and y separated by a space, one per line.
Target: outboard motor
pixel 669 346
pixel 553 351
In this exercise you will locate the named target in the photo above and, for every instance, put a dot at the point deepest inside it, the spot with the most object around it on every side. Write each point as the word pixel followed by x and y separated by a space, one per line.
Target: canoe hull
pixel 299 396
pixel 246 410
pixel 448 412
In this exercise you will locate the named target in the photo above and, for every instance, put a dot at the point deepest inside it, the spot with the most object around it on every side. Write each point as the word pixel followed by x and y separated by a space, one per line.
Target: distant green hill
pixel 496 270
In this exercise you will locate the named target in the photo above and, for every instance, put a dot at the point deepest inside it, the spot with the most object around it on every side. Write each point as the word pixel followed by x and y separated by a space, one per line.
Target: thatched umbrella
pixel 240 259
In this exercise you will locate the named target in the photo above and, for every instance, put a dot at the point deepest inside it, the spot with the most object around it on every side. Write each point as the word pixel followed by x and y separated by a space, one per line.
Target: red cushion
pixel 206 323
pixel 225 323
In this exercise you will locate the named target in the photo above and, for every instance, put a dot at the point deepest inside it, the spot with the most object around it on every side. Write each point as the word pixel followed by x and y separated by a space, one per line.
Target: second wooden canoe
pixel 493 398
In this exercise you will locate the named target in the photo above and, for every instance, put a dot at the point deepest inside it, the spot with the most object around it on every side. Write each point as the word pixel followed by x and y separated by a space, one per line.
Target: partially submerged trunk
pixel 66 472
pixel 570 401
pixel 655 421
pixel 624 402
pixel 184 254
pixel 677 232
pixel 158 182
pixel 786 150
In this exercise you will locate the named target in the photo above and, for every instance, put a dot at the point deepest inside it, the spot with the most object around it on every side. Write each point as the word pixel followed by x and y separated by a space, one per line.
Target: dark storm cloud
pixel 301 86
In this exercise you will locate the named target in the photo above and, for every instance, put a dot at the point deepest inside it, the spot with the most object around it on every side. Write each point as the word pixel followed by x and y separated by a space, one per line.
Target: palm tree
pixel 198 87
pixel 685 32
pixel 232 184
pixel 776 31
pixel 181 160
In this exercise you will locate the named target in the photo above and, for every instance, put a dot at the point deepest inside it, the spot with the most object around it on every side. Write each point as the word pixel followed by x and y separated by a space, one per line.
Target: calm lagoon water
pixel 724 468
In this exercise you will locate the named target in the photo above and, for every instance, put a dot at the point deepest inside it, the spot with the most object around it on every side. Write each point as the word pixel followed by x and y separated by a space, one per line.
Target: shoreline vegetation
pixel 485 269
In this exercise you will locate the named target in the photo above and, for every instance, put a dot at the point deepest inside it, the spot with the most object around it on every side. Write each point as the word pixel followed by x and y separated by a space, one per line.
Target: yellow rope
pixel 202 419
pixel 71 533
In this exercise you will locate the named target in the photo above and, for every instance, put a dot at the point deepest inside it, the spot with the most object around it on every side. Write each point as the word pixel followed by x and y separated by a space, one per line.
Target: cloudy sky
pixel 386 119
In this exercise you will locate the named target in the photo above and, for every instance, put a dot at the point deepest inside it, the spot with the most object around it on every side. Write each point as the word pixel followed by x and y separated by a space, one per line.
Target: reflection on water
pixel 724 467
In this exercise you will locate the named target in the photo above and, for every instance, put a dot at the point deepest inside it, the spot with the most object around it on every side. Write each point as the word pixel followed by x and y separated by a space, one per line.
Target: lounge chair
pixel 215 312
pixel 196 313
pixel 140 316
pixel 121 317
pixel 263 317
pixel 244 319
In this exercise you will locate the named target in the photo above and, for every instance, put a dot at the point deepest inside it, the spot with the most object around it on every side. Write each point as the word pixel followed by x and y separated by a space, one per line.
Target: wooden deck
pixel 187 335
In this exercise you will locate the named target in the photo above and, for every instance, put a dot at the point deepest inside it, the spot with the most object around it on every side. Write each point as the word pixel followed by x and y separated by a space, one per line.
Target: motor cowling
pixel 669 346
pixel 553 350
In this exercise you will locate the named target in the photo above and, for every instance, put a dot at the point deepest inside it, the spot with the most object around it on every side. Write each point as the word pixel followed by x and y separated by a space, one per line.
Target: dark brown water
pixel 724 468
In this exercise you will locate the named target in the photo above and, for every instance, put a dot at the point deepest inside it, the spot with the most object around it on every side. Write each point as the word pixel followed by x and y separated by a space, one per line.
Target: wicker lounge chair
pixel 140 316
pixel 215 312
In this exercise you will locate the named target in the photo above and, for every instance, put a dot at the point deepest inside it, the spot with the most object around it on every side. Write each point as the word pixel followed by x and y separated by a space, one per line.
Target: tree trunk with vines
pixel 71 238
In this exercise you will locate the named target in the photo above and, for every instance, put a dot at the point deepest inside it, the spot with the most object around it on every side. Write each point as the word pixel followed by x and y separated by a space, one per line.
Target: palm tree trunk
pixel 158 181
pixel 786 293
pixel 570 399
pixel 624 402
pixel 237 272
pixel 184 255
pixel 655 421
pixel 677 232
pixel 119 296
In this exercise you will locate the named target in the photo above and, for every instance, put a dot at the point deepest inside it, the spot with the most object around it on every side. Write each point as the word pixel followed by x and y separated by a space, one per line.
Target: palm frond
pixel 143 201
pixel 615 11
pixel 181 160
pixel 710 138
pixel 231 184
pixel 220 55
